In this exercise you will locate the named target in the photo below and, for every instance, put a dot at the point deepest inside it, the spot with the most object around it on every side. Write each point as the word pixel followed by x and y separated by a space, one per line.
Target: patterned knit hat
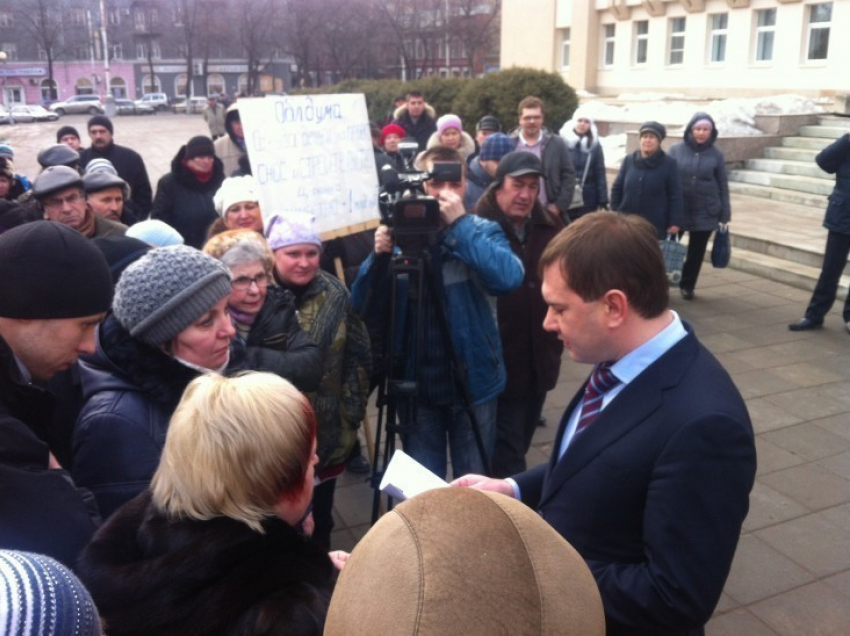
pixel 294 230
pixel 496 146
pixel 41 596
pixel 100 165
pixel 167 290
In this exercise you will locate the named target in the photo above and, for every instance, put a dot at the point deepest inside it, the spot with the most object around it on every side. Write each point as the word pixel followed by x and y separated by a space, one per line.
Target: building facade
pixel 706 48
pixel 126 48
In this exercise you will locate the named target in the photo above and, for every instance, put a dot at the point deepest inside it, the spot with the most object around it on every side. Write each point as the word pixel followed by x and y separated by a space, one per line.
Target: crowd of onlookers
pixel 183 374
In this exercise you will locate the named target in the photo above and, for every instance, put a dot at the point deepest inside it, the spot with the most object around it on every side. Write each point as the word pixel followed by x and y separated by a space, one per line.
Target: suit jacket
pixel 654 493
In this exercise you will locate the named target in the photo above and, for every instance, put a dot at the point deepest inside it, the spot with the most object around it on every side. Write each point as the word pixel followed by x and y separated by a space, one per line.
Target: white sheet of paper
pixel 405 478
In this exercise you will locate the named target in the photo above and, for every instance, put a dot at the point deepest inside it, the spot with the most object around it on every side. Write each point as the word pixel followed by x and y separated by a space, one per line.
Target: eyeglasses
pixel 244 282
pixel 58 202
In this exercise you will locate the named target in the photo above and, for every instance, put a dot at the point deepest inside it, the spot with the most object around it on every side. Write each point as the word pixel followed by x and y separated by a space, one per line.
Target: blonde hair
pixel 237 247
pixel 234 447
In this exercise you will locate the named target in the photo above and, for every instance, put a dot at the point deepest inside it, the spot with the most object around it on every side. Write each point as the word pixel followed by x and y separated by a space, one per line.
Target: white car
pixel 25 113
pixel 157 101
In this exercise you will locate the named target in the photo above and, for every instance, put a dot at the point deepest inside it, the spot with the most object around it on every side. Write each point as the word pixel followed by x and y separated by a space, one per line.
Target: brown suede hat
pixel 461 561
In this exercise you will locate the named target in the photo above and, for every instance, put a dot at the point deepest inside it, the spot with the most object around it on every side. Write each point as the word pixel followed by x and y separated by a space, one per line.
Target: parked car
pixel 27 114
pixel 90 104
pixel 4 115
pixel 191 105
pixel 157 101
pixel 129 107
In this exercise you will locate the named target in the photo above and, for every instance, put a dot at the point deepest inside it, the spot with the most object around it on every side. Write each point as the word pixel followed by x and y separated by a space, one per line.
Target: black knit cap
pixel 64 131
pixel 655 128
pixel 101 120
pixel 51 271
pixel 200 146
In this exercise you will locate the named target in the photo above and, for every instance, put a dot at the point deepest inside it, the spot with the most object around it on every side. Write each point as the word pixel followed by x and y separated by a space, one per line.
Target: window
pixel 151 85
pixel 215 84
pixel 42 54
pixel 7 19
pixel 80 52
pixel 609 31
pixel 116 51
pixel 177 16
pixel 118 87
pixel 77 17
pixel 457 49
pixel 820 16
pixel 141 51
pixel 717 50
pixel 182 50
pixel 113 16
pixel 10 49
pixel 677 41
pixel 765 30
pixel 565 48
pixel 180 85
pixel 84 86
pixel 48 90
pixel 641 41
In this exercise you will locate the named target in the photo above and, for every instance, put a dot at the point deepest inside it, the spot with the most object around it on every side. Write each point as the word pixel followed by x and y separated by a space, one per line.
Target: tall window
pixel 641 41
pixel 565 48
pixel 180 85
pixel 10 49
pixel 717 50
pixel 215 84
pixel 116 51
pixel 609 31
pixel 765 30
pixel 48 90
pixel 7 19
pixel 677 41
pixel 820 16
pixel 113 16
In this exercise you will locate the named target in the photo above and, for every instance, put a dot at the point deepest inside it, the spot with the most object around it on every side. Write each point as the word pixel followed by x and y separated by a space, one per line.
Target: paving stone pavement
pixel 791 574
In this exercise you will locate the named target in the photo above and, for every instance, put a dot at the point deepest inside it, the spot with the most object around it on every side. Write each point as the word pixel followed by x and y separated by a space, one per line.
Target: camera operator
pixel 473 262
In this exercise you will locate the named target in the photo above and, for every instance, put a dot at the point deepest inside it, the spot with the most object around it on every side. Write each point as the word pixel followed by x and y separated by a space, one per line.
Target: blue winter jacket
pixel 477 265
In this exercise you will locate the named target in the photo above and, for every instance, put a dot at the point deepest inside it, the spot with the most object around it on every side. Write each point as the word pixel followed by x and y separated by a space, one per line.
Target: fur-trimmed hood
pixel 402 110
pixel 572 138
pixel 152 575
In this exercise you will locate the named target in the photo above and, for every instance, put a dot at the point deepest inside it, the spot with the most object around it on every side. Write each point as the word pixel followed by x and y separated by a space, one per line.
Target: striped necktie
pixel 601 381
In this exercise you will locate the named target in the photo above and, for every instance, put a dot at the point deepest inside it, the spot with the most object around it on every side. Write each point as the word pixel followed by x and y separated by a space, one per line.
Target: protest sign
pixel 312 155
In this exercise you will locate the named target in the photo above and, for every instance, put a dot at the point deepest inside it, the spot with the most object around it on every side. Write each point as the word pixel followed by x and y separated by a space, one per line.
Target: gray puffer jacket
pixel 704 181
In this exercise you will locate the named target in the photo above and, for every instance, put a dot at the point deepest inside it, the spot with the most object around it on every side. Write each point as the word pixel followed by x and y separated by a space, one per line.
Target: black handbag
pixel 721 251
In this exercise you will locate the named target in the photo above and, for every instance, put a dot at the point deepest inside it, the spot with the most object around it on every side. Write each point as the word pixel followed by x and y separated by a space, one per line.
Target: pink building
pixel 28 83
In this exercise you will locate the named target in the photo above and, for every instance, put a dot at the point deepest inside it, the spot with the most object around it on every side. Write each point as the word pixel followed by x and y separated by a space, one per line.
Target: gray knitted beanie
pixel 167 290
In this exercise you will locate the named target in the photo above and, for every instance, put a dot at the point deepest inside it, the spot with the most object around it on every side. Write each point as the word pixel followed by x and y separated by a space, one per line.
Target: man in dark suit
pixel 655 458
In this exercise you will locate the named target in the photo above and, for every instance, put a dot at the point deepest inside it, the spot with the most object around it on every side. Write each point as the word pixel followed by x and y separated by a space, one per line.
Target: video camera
pixel 414 217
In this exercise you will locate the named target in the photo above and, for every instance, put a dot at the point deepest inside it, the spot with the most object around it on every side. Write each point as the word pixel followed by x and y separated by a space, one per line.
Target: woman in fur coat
pixel 214 546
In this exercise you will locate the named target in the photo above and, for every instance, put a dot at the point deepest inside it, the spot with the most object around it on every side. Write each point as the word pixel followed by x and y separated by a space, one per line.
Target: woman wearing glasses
pixel 263 313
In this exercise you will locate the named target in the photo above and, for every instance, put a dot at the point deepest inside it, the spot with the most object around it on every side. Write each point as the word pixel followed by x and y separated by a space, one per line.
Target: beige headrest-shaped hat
pixel 461 561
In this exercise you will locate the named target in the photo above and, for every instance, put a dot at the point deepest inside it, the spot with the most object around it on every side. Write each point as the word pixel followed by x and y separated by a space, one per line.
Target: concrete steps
pixel 776 194
pixel 780 166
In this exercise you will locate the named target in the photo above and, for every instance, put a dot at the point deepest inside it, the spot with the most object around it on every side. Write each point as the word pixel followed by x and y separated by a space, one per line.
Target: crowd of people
pixel 183 375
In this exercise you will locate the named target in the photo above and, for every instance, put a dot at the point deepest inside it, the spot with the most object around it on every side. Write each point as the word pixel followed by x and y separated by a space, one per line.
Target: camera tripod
pixel 414 282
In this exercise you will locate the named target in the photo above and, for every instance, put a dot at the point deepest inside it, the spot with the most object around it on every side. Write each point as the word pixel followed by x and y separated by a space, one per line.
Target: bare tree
pixel 412 26
pixel 303 37
pixel 476 24
pixel 258 26
pixel 42 21
pixel 148 24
